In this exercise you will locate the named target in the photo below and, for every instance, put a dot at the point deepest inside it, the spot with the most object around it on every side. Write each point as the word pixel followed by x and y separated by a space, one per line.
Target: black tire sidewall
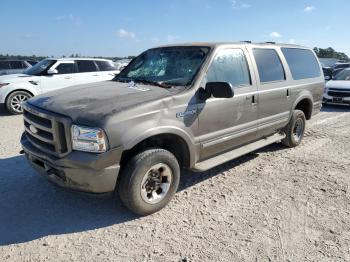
pixel 290 140
pixel 9 98
pixel 298 115
pixel 130 183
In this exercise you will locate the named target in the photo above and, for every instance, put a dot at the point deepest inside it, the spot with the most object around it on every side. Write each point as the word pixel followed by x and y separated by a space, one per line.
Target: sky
pixel 123 28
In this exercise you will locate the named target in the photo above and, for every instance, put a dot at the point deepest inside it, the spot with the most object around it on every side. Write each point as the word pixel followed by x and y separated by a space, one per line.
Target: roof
pixel 79 58
pixel 216 44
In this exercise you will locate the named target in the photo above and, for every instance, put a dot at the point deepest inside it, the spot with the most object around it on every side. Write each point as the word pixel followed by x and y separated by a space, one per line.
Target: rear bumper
pixel 81 171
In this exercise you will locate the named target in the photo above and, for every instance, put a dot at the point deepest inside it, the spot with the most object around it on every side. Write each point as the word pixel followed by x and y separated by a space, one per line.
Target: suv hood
pixel 338 84
pixel 16 78
pixel 91 103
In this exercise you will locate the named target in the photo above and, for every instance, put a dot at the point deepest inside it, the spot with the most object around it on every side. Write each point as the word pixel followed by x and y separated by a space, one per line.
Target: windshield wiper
pixel 155 83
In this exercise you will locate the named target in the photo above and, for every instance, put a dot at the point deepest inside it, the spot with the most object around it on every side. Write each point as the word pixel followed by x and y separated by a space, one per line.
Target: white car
pixel 52 74
pixel 337 90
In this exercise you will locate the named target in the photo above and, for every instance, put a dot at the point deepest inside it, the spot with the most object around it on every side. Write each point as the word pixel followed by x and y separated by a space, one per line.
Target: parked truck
pixel 191 106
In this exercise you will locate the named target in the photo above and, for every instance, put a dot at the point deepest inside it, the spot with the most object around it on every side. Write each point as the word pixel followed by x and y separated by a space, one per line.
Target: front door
pixel 63 78
pixel 226 123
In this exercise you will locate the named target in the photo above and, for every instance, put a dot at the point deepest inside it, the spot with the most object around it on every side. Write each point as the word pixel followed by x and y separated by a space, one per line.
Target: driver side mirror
pixel 52 71
pixel 219 89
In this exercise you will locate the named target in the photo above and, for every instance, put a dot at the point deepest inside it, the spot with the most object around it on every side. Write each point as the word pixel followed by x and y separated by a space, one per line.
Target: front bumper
pixel 2 107
pixel 88 172
pixel 336 100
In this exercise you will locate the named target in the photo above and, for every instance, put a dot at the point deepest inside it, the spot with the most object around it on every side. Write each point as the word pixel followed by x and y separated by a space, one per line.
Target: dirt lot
pixel 276 204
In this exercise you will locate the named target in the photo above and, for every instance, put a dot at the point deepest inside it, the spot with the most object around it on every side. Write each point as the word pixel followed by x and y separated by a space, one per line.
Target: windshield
pixel 343 76
pixel 39 68
pixel 173 66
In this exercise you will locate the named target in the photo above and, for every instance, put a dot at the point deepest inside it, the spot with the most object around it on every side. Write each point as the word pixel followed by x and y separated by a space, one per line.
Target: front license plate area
pixel 337 100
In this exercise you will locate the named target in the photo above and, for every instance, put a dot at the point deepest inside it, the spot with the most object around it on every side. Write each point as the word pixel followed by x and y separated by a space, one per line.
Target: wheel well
pixel 23 90
pixel 173 143
pixel 305 105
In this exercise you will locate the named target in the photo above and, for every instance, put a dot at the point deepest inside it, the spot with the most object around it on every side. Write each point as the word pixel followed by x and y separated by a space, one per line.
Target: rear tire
pixel 149 181
pixel 15 100
pixel 295 129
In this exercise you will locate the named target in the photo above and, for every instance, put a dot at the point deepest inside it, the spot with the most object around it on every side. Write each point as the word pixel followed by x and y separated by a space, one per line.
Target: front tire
pixel 15 100
pixel 149 181
pixel 295 129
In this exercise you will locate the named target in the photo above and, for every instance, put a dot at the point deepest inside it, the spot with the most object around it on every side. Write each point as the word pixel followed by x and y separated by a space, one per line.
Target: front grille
pixel 338 92
pixel 47 131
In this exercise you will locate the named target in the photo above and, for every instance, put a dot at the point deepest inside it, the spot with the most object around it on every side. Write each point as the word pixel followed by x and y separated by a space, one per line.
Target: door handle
pixel 68 77
pixel 95 75
pixel 288 92
pixel 252 98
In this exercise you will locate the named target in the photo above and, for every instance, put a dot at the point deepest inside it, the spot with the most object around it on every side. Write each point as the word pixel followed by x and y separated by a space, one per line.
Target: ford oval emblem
pixel 33 129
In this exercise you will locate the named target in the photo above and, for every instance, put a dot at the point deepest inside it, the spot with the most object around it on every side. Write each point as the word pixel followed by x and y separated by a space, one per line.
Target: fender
pixel 166 130
pixel 5 91
pixel 303 95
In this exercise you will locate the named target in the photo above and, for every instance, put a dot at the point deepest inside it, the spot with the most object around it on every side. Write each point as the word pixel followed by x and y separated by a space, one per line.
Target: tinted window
pixel 4 65
pixel 341 66
pixel 106 65
pixel 17 65
pixel 230 66
pixel 66 68
pixel 269 65
pixel 302 63
pixel 86 66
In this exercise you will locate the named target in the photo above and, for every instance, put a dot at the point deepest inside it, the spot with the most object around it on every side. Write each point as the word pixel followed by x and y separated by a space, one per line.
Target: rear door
pixel 226 123
pixel 64 77
pixel 87 72
pixel 274 99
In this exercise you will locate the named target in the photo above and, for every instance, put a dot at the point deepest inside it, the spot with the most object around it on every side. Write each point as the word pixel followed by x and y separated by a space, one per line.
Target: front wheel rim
pixel 298 129
pixel 156 183
pixel 17 101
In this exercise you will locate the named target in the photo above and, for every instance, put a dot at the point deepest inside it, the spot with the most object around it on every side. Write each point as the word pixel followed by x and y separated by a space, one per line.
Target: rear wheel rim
pixel 156 183
pixel 298 129
pixel 17 101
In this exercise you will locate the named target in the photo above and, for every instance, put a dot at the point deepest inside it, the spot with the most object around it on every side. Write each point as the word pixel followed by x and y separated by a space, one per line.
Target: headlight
pixel 3 84
pixel 88 139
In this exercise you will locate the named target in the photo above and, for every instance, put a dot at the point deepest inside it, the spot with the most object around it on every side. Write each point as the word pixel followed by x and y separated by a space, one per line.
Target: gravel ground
pixel 276 204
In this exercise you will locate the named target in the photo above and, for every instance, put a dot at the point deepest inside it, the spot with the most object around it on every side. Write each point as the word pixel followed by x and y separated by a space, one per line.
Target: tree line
pixel 320 52
pixel 38 58
pixel 330 53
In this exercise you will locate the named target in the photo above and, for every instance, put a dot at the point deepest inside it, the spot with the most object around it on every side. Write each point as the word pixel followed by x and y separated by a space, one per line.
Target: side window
pixel 106 65
pixel 4 65
pixel 17 65
pixel 302 63
pixel 229 65
pixel 269 65
pixel 85 66
pixel 65 68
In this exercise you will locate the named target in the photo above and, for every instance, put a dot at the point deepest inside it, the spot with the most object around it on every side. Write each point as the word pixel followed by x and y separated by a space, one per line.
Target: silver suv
pixel 190 106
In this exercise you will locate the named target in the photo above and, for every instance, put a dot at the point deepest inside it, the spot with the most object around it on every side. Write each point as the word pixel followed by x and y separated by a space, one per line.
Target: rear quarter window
pixel 302 63
pixel 106 65
pixel 269 65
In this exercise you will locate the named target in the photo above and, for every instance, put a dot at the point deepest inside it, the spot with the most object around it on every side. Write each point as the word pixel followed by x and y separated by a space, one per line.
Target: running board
pixel 228 156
